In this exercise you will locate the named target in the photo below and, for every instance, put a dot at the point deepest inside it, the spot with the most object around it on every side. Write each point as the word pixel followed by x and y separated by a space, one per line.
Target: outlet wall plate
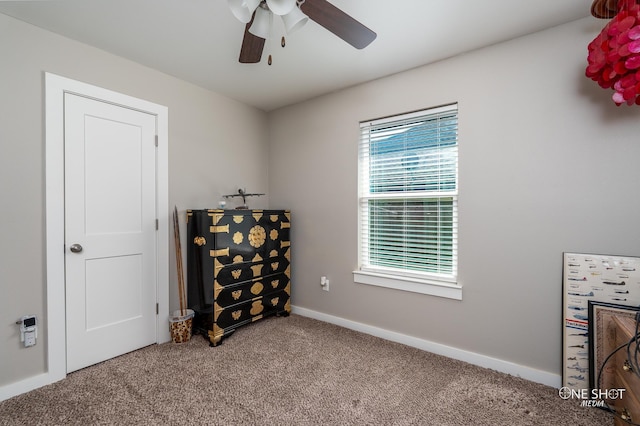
pixel 324 282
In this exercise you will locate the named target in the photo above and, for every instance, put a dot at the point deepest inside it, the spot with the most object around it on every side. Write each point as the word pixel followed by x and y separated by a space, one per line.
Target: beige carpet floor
pixel 293 371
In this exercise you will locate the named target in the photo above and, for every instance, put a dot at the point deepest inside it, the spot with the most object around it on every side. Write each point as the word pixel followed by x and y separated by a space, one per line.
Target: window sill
pixel 414 285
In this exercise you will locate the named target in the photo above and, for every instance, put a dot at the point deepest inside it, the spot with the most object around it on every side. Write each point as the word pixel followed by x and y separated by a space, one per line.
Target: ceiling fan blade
pixel 252 46
pixel 338 22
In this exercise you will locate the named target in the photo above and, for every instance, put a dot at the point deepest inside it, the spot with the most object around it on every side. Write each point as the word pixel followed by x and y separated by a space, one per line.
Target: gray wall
pixel 547 164
pixel 216 144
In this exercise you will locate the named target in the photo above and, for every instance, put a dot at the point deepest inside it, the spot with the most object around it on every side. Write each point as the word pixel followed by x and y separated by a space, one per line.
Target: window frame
pixel 436 284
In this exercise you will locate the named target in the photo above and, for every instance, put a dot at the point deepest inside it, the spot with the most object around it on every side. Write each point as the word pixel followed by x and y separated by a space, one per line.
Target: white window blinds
pixel 408 194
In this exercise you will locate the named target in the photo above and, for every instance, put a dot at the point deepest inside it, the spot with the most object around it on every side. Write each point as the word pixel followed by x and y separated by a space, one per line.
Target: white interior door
pixel 110 230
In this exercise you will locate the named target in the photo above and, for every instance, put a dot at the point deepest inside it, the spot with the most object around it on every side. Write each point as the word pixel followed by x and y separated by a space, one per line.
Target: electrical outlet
pixel 324 282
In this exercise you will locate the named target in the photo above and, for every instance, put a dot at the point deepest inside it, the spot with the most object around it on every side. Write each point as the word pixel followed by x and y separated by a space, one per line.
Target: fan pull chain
pixel 283 43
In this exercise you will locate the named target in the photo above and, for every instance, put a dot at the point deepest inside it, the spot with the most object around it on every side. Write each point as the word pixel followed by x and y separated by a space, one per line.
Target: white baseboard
pixel 25 385
pixel 528 373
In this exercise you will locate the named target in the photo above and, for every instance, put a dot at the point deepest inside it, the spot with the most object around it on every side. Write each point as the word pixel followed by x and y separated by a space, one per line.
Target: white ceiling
pixel 199 40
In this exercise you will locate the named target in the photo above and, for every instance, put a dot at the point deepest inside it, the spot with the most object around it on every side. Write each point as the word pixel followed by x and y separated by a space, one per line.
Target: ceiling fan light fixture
pixel 294 20
pixel 261 26
pixel 243 9
pixel 281 7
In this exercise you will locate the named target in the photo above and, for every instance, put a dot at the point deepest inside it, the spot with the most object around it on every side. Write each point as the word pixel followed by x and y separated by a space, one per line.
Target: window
pixel 408 195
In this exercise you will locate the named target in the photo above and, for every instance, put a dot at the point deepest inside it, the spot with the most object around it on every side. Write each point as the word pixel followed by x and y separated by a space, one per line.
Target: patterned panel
pixel 242 235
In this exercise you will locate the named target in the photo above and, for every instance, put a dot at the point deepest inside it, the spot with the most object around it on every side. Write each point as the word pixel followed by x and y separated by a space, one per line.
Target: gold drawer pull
pixel 199 241
pixel 626 366
pixel 625 415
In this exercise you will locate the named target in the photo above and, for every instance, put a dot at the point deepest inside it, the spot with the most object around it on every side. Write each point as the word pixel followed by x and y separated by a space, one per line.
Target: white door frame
pixel 55 87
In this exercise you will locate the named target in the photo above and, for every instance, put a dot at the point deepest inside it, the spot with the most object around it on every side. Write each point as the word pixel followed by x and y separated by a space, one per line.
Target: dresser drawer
pixel 251 310
pixel 622 368
pixel 628 406
pixel 238 293
pixel 240 271
pixel 226 321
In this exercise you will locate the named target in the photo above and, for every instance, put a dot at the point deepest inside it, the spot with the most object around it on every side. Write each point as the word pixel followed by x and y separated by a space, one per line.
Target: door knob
pixel 75 248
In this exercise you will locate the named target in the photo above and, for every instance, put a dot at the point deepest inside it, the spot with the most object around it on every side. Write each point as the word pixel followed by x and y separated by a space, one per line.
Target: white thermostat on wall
pixel 28 330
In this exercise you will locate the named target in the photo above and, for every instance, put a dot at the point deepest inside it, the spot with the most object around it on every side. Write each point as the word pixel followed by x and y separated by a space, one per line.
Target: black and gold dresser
pixel 238 268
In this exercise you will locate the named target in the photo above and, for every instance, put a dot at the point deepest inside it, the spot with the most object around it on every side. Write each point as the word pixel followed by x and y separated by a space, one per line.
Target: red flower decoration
pixel 614 55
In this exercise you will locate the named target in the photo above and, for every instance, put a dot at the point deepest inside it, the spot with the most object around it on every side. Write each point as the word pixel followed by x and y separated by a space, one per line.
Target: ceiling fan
pixel 258 14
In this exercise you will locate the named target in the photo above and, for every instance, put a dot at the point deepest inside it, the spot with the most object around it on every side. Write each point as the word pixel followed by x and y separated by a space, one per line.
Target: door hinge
pixel 157 308
pixel 157 225
pixel 156 140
